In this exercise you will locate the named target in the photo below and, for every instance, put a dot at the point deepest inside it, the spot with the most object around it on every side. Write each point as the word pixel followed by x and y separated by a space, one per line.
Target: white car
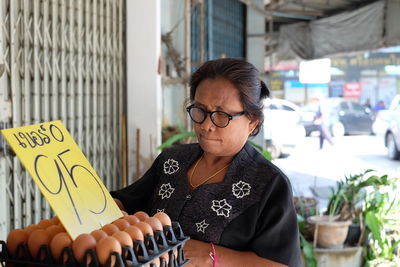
pixel 387 126
pixel 282 126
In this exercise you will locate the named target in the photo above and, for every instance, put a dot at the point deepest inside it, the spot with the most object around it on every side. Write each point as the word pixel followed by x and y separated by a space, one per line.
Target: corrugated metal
pixel 64 60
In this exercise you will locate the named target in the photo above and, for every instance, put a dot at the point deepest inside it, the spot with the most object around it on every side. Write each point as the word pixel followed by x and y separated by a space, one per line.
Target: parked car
pixel 282 126
pixel 387 125
pixel 344 116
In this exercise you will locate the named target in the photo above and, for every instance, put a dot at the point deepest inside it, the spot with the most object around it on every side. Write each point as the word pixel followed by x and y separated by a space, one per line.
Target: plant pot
pixel 353 235
pixel 329 233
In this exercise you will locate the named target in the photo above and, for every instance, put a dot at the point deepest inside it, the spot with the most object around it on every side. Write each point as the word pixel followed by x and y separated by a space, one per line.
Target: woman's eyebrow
pixel 219 108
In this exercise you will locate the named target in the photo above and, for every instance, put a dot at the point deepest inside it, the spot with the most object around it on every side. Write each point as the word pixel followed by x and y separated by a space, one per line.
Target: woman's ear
pixel 253 125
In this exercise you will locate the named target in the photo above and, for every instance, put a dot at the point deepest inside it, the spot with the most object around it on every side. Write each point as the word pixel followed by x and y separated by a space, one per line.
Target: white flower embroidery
pixel 160 210
pixel 166 191
pixel 171 166
pixel 201 226
pixel 221 207
pixel 241 189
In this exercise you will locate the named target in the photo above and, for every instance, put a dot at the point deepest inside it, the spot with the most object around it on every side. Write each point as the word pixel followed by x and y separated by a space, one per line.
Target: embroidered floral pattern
pixel 221 207
pixel 166 191
pixel 201 226
pixel 241 189
pixel 171 166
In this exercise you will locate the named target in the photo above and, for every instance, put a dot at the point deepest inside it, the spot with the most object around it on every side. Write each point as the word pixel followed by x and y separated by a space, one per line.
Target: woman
pixel 231 201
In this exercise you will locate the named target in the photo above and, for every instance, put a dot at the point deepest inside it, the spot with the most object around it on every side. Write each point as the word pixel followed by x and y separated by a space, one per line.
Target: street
pixel 311 169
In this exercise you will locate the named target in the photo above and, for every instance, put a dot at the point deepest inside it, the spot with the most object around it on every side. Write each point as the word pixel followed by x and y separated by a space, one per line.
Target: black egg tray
pixel 142 254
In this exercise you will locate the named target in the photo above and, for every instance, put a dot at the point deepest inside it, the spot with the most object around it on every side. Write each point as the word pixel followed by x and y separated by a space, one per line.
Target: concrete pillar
pixel 144 110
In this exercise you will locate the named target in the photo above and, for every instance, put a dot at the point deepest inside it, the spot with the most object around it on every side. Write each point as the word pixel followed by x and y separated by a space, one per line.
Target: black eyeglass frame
pixel 230 117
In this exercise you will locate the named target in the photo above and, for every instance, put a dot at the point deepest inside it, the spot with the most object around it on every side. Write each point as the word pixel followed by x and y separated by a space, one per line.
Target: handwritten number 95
pixel 40 161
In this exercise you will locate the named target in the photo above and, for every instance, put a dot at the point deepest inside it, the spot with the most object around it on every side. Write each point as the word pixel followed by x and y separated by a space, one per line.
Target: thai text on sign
pixel 64 176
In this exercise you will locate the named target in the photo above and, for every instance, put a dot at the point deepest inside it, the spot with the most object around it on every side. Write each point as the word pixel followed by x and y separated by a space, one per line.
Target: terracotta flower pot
pixel 329 233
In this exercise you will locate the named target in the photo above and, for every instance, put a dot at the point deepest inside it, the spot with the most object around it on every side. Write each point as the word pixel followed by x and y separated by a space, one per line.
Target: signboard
pixel 64 176
pixel 352 89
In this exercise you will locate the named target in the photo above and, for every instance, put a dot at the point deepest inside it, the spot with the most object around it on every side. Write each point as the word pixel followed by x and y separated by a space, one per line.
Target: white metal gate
pixel 63 60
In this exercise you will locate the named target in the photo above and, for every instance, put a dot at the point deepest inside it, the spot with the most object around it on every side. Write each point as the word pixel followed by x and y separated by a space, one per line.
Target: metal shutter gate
pixel 63 60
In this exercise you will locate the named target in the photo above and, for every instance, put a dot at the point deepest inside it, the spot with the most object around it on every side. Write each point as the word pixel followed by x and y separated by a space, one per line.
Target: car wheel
pixel 392 150
pixel 338 129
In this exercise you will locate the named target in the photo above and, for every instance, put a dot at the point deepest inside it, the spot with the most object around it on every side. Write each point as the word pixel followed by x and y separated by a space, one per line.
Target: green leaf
pixel 175 138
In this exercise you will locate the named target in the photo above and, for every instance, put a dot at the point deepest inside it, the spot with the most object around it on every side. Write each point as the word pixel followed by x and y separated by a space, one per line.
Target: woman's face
pixel 221 95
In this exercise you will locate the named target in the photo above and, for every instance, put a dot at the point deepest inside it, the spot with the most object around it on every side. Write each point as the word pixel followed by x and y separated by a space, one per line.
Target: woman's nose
pixel 207 124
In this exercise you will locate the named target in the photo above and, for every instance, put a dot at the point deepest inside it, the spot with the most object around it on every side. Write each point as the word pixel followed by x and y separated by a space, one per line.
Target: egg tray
pixel 142 254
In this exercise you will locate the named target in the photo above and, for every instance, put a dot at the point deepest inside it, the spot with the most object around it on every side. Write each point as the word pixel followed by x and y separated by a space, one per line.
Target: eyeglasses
pixel 219 118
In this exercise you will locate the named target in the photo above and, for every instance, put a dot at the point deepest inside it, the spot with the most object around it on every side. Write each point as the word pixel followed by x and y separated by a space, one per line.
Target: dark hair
pixel 244 76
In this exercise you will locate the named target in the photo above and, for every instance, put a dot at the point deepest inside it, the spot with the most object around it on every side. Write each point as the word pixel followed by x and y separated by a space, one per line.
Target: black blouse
pixel 250 210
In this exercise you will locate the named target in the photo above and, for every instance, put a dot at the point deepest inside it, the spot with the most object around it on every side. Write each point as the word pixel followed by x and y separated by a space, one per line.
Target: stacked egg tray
pixel 171 240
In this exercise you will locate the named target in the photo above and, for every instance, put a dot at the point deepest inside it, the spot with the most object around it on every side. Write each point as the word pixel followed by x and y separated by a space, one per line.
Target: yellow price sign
pixel 64 176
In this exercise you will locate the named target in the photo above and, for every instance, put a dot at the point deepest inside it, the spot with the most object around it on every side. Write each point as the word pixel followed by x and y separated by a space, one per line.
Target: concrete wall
pixel 144 96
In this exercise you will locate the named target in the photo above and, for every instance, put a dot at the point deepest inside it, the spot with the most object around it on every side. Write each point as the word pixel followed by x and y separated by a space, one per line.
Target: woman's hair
pixel 244 76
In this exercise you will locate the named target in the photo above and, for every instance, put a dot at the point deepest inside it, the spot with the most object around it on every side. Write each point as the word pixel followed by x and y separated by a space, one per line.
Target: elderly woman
pixel 234 204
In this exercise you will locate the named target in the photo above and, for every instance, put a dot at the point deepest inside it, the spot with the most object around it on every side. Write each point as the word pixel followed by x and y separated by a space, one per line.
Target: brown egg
pixel 135 233
pixel 32 227
pixel 154 223
pixel 36 239
pixel 55 220
pixel 123 238
pixel 110 229
pixel 121 224
pixel 81 244
pixel 164 218
pixel 98 234
pixel 141 215
pixel 54 229
pixel 105 247
pixel 16 237
pixel 166 257
pixel 132 219
pixel 62 226
pixel 58 243
pixel 145 228
pixel 156 262
pixel 45 223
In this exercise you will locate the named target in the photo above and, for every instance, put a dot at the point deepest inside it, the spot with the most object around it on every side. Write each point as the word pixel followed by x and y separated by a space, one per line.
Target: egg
pixel 14 238
pixel 124 213
pixel 58 243
pixel 132 219
pixel 121 224
pixel 141 215
pixel 110 229
pixel 54 229
pixel 55 220
pixel 36 239
pixel 135 233
pixel 166 257
pixel 32 227
pixel 164 218
pixel 156 262
pixel 145 228
pixel 81 244
pixel 45 223
pixel 123 238
pixel 105 247
pixel 98 234
pixel 154 223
